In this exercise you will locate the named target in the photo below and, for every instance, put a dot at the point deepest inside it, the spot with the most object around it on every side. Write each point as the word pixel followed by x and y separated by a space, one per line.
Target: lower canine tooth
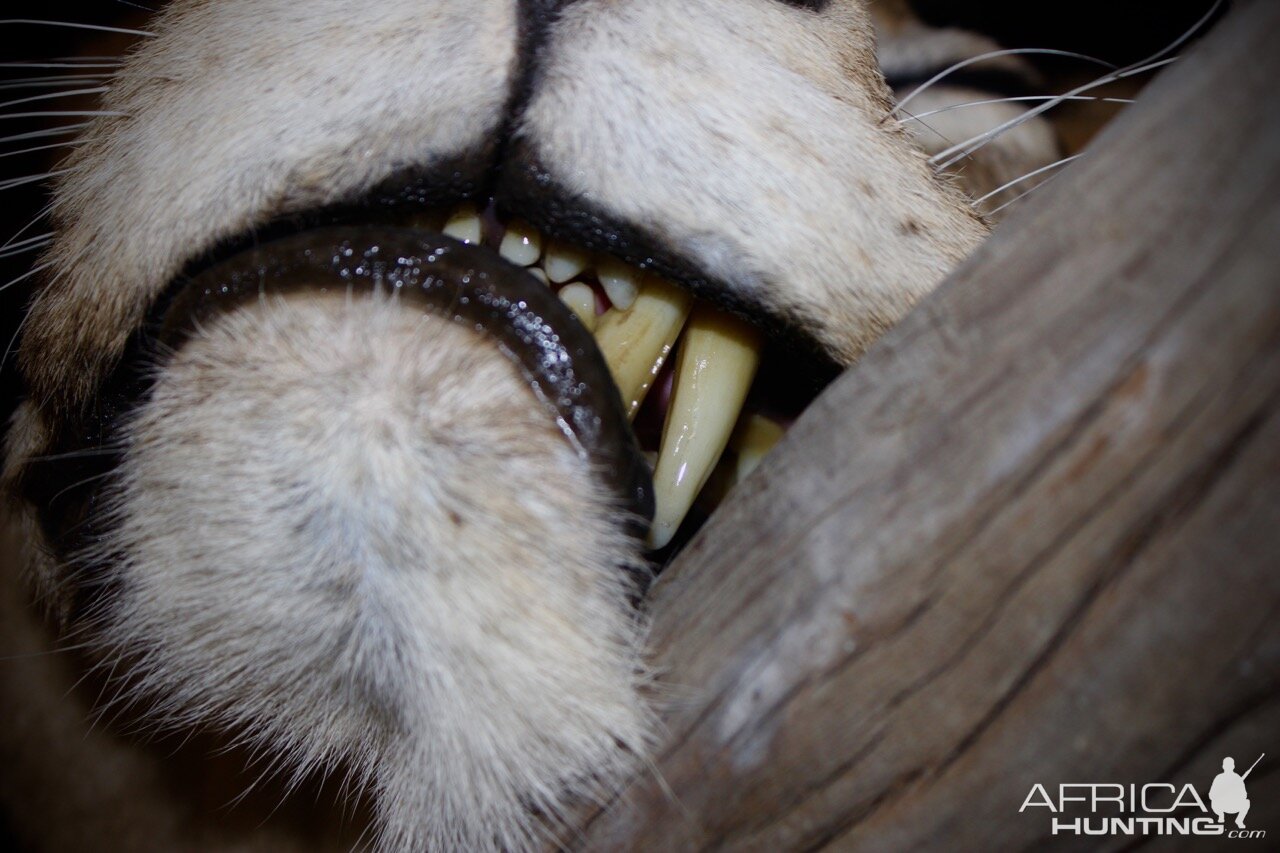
pixel 581 299
pixel 752 439
pixel 522 244
pixel 563 262
pixel 464 225
pixel 636 342
pixel 718 358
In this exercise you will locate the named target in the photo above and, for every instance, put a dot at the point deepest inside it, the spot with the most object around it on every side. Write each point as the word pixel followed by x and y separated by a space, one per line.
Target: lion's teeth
pixel 635 342
pixel 581 299
pixel 537 273
pixel 620 282
pixel 522 244
pixel 464 225
pixel 752 439
pixel 563 263
pixel 718 358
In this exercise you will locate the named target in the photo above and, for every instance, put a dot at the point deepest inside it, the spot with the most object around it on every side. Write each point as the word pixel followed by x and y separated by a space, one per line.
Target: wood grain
pixel 1033 537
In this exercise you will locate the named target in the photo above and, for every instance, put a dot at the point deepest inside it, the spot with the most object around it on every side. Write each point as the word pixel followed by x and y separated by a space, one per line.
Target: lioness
pixel 332 374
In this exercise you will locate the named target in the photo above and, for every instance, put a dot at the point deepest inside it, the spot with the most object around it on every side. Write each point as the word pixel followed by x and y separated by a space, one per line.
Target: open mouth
pixel 684 369
pixel 671 398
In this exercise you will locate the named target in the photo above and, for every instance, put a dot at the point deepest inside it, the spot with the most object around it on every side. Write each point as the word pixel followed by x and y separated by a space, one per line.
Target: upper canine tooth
pixel 522 244
pixel 581 299
pixel 620 281
pixel 464 225
pixel 563 262
pixel 636 342
pixel 718 358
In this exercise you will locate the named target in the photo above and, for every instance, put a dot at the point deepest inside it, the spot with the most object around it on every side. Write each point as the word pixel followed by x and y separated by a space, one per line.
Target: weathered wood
pixel 1033 537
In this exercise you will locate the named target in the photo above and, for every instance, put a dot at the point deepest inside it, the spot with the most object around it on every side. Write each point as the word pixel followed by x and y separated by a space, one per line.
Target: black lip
pixel 462 283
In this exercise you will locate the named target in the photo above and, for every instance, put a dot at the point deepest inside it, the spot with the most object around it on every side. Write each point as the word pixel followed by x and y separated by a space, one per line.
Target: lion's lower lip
pixel 463 283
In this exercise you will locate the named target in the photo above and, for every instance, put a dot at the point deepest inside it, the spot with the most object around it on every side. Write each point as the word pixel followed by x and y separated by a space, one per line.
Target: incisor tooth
pixel 620 282
pixel 464 225
pixel 563 262
pixel 522 244
pixel 636 342
pixel 537 273
pixel 581 299
pixel 718 358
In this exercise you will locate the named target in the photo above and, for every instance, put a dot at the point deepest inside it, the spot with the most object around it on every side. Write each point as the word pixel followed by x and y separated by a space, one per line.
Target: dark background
pixel 1119 32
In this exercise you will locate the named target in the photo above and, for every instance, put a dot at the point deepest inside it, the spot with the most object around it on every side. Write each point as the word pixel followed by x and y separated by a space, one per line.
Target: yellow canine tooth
pixel 620 281
pixel 521 244
pixel 718 358
pixel 636 342
pixel 464 225
pixel 581 299
pixel 564 262
pixel 754 436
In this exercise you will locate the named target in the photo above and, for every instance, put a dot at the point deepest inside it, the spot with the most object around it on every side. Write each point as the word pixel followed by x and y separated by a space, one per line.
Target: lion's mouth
pixel 684 369
pixel 672 398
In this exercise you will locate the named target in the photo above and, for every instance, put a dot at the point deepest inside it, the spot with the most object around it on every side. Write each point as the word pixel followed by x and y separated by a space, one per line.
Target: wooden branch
pixel 1032 538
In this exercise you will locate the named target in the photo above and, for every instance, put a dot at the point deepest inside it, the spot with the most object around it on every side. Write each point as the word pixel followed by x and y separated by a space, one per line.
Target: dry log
pixel 1032 538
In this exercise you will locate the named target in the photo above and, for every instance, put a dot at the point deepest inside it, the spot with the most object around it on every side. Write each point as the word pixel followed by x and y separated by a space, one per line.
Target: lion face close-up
pixel 393 385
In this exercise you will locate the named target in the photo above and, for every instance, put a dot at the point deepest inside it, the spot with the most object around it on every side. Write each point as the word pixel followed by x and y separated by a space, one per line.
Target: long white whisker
pixel 962 150
pixel 44 134
pixel 39 148
pixel 52 95
pixel 1031 174
pixel 30 179
pixel 26 275
pixel 25 228
pixel 75 26
pixel 1024 194
pixel 28 245
pixel 66 114
pixel 947 109
pixel 51 82
pixel 992 55
pixel 62 64
pixel 1156 60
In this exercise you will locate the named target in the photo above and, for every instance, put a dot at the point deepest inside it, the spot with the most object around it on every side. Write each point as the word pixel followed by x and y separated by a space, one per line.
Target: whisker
pixel 53 63
pixel 29 245
pixel 52 95
pixel 66 113
pixel 1031 174
pixel 47 132
pixel 25 228
pixel 39 148
pixel 74 25
pixel 992 55
pixel 48 82
pixel 962 150
pixel 23 277
pixel 1156 60
pixel 30 179
pixel 947 109
pixel 1024 194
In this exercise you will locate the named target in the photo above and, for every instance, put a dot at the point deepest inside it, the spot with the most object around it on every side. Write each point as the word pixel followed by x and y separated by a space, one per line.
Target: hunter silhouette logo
pixel 1156 808
pixel 1228 795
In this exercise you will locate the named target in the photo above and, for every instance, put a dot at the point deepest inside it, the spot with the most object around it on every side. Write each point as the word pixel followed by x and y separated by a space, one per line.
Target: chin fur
pixel 323 541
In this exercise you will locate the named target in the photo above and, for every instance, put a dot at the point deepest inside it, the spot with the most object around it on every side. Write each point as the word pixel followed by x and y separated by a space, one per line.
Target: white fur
pixel 336 547
pixel 288 556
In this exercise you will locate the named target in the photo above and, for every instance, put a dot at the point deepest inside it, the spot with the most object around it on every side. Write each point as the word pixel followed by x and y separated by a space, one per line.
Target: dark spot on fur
pixel 910 227
pixel 455 518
